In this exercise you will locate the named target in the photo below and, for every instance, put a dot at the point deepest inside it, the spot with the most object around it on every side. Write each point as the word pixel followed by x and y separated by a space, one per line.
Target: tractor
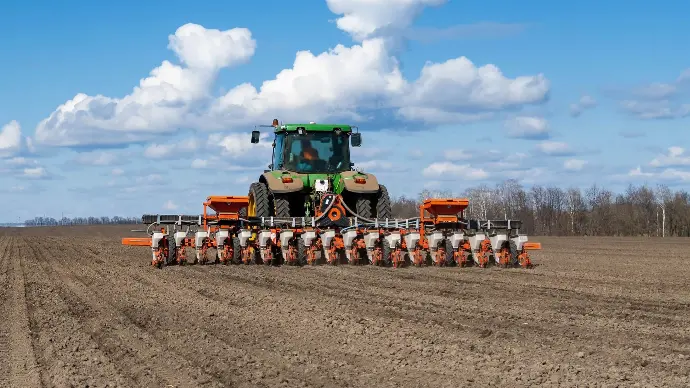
pixel 310 163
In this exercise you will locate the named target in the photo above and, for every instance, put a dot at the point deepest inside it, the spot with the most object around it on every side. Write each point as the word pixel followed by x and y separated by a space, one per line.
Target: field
pixel 79 309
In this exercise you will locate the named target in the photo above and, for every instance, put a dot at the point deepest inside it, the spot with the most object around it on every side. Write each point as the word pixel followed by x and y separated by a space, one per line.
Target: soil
pixel 80 309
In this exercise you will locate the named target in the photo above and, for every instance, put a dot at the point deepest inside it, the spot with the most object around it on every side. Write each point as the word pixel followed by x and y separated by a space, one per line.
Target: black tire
pixel 171 250
pixel 450 259
pixel 262 202
pixel 301 252
pixel 386 250
pixel 236 251
pixel 513 253
pixel 383 204
pixel 375 206
pixel 281 204
pixel 363 206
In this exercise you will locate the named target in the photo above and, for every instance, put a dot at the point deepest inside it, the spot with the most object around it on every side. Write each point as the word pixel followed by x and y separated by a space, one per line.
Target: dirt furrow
pixel 594 313
pixel 5 308
pixel 132 351
pixel 23 369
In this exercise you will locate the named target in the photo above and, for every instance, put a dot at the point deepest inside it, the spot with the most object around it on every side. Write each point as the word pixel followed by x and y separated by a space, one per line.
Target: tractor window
pixel 278 151
pixel 317 152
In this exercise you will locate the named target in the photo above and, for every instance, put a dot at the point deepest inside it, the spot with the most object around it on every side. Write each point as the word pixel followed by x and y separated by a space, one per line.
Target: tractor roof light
pixel 301 131
pixel 287 179
pixel 360 180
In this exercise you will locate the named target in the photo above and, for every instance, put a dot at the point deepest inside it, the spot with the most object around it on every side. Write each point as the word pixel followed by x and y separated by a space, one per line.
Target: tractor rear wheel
pixel 259 200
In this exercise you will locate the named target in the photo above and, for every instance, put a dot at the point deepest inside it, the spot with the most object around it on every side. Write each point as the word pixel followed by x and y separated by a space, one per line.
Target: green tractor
pixel 310 162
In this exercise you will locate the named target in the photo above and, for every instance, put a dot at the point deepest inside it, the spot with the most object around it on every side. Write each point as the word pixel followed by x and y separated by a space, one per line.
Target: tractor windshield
pixel 317 152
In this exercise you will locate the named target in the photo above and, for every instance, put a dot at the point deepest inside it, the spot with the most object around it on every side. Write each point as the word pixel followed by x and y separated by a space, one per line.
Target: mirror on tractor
pixel 356 139
pixel 255 136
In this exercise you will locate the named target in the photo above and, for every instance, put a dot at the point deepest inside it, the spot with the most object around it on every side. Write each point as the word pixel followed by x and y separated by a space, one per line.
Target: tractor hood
pixel 354 181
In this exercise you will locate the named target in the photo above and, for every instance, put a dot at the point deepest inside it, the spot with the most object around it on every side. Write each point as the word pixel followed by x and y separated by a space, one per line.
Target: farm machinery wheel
pixel 259 200
pixel 281 204
pixel 374 206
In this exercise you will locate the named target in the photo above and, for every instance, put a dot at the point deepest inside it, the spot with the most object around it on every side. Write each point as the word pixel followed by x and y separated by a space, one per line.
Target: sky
pixel 143 107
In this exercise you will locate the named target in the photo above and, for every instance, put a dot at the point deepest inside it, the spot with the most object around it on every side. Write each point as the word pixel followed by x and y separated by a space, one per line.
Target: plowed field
pixel 86 311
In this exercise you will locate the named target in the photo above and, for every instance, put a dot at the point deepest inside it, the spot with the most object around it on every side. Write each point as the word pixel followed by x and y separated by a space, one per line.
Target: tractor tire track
pixel 5 308
pixel 133 351
pixel 21 361
pixel 584 317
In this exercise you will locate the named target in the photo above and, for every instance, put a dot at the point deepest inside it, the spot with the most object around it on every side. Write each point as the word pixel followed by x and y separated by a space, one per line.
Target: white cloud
pixel 117 172
pixel 237 146
pixel 100 158
pixel 378 166
pixel 170 205
pixel 528 127
pixel 366 19
pixel 10 139
pixel 574 164
pixel 669 174
pixel 456 155
pixel 650 110
pixel 345 83
pixel 554 148
pixel 658 100
pixel 161 103
pixel 676 157
pixel 585 102
pixel 448 170
pixel 457 90
pixel 34 173
pixel 20 162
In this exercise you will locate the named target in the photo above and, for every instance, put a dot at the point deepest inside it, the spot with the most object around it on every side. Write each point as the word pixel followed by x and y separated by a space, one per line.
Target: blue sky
pixel 447 94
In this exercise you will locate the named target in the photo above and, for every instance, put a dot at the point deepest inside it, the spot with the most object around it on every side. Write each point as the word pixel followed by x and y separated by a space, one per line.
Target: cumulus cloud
pixel 355 83
pixel 528 127
pixel 11 139
pixel 370 18
pixel 585 102
pixel 161 103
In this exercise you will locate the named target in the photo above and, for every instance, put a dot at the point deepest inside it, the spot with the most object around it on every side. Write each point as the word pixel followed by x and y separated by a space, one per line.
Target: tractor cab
pixel 311 148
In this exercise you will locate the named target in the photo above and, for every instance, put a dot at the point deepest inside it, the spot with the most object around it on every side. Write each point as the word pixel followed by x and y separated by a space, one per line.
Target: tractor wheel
pixel 281 204
pixel 383 203
pixel 374 206
pixel 363 207
pixel 259 201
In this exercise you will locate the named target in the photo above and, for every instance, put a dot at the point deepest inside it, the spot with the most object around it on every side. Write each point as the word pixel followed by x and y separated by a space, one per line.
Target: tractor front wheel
pixel 374 205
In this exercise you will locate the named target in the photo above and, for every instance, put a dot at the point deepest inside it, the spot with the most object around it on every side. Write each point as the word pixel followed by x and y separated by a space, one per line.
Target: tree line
pixel 549 210
pixel 543 210
pixel 49 221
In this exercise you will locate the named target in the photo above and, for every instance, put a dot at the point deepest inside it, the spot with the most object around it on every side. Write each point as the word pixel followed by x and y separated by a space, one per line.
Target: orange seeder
pixel 439 236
